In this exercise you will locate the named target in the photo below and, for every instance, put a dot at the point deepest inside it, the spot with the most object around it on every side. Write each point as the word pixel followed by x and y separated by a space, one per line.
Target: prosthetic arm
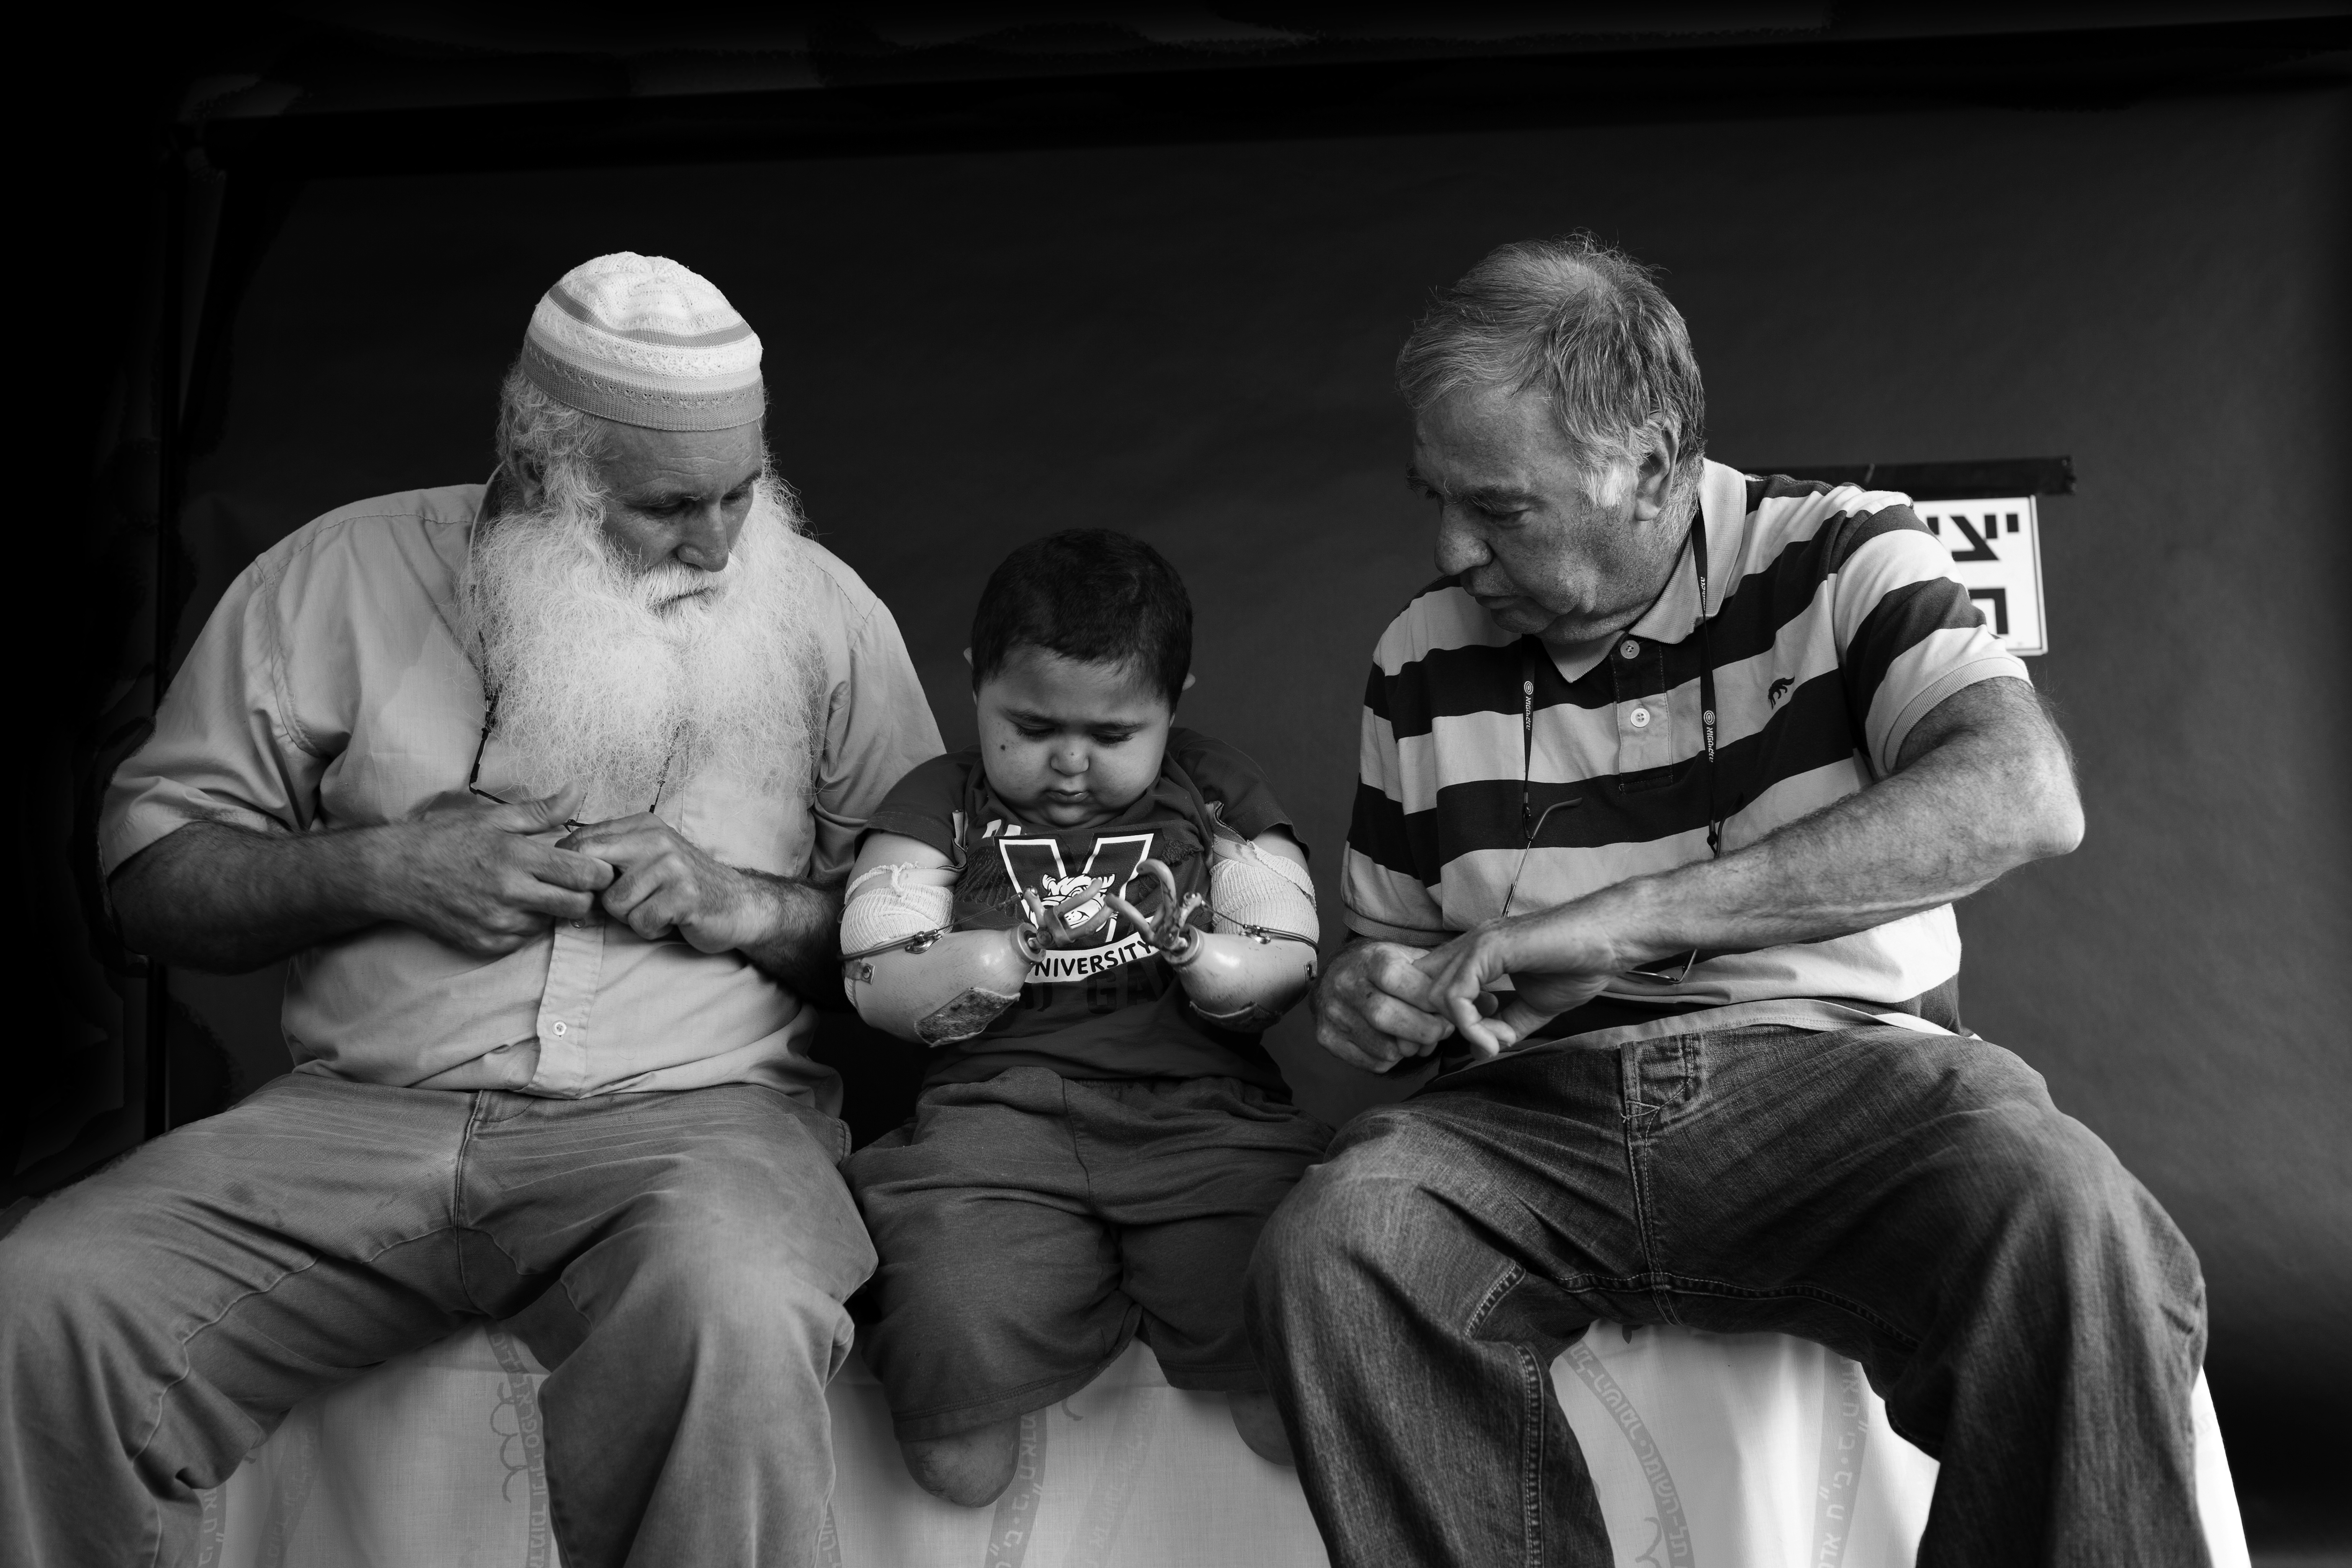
pixel 1258 960
pixel 908 975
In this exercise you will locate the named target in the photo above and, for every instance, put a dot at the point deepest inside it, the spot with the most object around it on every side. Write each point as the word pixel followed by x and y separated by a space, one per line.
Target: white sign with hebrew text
pixel 1997 555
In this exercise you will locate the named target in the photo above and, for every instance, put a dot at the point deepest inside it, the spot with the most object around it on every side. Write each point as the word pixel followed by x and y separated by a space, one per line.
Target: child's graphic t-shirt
pixel 1109 1007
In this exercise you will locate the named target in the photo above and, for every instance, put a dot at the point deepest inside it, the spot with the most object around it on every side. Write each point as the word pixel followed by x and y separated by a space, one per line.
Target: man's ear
pixel 1655 476
pixel 1189 679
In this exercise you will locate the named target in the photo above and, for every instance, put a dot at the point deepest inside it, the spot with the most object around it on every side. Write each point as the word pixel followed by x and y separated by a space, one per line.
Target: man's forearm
pixel 227 900
pixel 800 941
pixel 1916 839
pixel 223 898
pixel 1910 844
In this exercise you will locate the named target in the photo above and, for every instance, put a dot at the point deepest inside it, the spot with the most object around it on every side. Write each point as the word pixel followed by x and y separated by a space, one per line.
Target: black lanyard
pixel 1705 684
pixel 1706 708
pixel 1531 823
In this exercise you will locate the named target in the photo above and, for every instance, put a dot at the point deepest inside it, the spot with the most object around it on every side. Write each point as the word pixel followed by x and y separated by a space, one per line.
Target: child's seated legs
pixel 1029 1226
pixel 1088 916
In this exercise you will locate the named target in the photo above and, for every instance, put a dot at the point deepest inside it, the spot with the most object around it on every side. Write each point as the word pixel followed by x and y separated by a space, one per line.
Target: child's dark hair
pixel 1088 594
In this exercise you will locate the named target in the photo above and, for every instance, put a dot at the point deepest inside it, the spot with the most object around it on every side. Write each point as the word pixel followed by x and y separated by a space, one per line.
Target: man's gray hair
pixel 1585 323
pixel 546 450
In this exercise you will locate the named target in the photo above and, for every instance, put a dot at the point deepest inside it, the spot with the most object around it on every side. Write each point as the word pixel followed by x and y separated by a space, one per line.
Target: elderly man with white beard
pixel 546 788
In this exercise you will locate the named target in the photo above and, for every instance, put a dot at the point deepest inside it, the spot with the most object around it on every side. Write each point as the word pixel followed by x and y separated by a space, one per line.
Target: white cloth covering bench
pixel 1708 1451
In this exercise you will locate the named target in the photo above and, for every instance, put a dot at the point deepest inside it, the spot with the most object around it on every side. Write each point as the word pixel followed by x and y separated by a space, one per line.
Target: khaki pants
pixel 678 1260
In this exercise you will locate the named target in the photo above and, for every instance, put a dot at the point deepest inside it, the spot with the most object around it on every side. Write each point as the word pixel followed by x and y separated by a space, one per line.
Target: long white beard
pixel 603 675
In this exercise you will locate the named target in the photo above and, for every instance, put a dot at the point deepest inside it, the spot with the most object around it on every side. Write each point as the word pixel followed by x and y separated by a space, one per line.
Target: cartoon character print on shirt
pixel 1080 929
pixel 1094 978
pixel 1090 968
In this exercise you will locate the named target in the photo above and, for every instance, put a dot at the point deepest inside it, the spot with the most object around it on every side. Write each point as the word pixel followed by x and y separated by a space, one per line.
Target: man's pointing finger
pixel 1402 1021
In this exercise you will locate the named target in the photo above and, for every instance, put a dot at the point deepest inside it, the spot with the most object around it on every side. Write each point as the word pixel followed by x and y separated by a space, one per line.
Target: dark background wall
pixel 1192 343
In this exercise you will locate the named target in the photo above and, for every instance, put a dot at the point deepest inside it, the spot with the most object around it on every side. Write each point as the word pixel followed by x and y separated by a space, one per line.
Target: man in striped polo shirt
pixel 1667 787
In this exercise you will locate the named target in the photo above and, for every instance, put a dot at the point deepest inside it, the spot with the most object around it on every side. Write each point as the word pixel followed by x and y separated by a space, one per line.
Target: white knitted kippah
pixel 641 340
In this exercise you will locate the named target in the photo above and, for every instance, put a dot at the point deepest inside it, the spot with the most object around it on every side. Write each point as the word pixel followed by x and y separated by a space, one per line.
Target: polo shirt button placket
pixel 1642 742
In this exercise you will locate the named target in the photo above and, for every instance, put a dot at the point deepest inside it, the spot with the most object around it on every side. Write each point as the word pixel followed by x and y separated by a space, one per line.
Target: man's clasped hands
pixel 485 877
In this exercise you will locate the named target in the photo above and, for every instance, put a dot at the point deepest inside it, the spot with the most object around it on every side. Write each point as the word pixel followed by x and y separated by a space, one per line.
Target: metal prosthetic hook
pixel 1033 906
pixel 1170 931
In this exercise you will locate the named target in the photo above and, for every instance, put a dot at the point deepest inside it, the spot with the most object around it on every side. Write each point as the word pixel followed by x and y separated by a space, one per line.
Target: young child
pixel 1090 917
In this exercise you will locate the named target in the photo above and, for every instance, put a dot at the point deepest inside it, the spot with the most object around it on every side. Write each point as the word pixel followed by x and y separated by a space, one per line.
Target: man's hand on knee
pixel 1374 1009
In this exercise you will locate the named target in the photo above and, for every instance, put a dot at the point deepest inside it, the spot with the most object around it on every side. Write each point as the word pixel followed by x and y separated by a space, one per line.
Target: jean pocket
pixel 819 1126
pixel 1661 1075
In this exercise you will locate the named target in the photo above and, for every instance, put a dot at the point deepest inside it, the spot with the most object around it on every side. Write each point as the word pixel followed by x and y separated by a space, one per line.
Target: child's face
pixel 1068 744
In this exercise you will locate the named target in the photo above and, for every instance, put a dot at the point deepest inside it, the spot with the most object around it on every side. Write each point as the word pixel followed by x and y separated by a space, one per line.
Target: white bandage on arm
pixel 895 903
pixel 1250 889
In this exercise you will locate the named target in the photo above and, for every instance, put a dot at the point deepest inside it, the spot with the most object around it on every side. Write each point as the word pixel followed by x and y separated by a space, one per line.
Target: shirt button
pixel 1638 718
pixel 1629 648
pixel 559 1027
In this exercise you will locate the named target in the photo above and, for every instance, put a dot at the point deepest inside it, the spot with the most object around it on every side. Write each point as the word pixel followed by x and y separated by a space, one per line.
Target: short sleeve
pixel 224 748
pixel 1382 894
pixel 1909 636
pixel 922 805
pixel 879 725
pixel 1231 778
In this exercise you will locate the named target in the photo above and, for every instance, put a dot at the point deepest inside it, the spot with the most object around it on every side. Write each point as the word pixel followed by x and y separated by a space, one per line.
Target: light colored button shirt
pixel 329 689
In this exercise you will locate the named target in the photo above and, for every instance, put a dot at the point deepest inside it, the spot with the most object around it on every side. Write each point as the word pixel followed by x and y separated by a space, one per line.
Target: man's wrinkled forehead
pixel 654 471
pixel 1490 442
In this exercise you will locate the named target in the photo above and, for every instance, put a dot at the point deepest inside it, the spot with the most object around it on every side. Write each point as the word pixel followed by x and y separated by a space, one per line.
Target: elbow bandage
pixel 1250 891
pixel 892 904
pixel 1258 959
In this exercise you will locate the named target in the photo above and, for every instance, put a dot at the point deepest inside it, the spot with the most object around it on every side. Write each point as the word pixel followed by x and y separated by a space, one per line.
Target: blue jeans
pixel 678 1260
pixel 2030 1316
